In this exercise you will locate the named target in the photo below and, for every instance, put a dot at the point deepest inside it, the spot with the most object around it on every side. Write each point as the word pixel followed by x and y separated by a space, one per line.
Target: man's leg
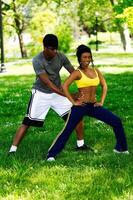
pixel 80 135
pixel 37 110
pixel 18 137
pixel 80 130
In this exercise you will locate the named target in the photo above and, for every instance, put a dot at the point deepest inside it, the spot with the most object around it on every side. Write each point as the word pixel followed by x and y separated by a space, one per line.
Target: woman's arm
pixel 73 76
pixel 104 89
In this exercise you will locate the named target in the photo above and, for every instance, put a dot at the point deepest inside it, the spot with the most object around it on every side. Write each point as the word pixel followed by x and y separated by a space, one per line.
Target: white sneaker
pixel 50 159
pixel 124 152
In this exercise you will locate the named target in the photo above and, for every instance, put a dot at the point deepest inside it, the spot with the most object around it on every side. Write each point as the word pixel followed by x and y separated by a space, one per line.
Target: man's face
pixel 50 52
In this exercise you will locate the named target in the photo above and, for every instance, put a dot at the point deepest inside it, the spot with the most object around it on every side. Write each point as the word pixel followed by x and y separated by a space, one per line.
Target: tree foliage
pixel 16 20
pixel 87 13
pixel 64 17
pixel 122 9
pixel 118 7
pixel 64 33
pixel 127 16
pixel 42 22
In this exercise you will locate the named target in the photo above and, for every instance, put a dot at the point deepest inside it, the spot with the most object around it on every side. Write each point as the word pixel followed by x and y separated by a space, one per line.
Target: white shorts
pixel 39 105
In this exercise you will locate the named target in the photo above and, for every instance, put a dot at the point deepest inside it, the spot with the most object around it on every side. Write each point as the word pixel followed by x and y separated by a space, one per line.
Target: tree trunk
pixel 21 44
pixel 125 37
pixel 124 32
pixel 19 26
pixel 128 46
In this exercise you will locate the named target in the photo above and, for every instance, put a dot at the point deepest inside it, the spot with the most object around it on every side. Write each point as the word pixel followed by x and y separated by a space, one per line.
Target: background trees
pixel 16 21
pixel 122 22
pixel 68 19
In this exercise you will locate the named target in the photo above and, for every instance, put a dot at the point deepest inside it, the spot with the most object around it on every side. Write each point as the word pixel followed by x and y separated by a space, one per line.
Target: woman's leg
pixel 111 119
pixel 76 114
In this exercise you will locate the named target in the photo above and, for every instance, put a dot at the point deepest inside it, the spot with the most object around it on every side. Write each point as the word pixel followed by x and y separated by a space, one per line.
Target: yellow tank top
pixel 86 81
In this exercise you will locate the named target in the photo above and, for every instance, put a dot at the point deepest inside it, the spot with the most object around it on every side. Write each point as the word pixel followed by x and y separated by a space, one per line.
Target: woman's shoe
pixel 117 151
pixel 51 159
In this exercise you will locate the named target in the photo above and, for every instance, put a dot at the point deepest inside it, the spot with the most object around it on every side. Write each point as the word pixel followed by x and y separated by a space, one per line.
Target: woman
pixel 87 79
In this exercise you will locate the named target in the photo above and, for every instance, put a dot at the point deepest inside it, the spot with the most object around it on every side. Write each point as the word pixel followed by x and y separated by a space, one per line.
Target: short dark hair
pixel 50 40
pixel 82 49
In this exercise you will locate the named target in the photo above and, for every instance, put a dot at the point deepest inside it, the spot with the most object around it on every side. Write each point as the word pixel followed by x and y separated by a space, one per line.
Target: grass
pixel 75 175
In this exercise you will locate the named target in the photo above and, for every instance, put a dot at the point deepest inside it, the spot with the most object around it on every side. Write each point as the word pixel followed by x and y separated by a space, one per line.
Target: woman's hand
pixel 97 104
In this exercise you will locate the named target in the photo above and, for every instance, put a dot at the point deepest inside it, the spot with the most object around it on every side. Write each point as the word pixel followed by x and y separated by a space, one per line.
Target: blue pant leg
pixel 111 119
pixel 76 114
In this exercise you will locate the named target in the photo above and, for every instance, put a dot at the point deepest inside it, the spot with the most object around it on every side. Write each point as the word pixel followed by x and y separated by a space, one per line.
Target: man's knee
pixel 25 126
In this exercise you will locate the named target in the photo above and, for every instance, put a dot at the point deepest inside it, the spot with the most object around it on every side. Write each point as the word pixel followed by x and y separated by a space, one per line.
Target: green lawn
pixel 74 175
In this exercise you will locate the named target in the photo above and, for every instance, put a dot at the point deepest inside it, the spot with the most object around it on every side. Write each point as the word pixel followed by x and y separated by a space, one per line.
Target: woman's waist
pixel 87 99
pixel 89 102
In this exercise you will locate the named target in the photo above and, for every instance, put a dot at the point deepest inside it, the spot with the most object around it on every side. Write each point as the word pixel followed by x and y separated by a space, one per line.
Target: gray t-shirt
pixel 52 68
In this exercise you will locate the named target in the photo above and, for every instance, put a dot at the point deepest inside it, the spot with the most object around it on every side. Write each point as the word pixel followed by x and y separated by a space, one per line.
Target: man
pixel 47 92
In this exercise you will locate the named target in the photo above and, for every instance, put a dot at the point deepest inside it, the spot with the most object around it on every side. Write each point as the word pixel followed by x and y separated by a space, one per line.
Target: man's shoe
pixel 84 148
pixel 117 151
pixel 11 154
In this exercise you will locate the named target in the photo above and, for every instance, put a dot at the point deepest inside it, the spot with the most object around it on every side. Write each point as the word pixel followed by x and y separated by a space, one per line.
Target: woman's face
pixel 85 59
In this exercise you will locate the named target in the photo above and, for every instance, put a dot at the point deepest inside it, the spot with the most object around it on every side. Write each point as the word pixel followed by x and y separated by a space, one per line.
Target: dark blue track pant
pixel 76 114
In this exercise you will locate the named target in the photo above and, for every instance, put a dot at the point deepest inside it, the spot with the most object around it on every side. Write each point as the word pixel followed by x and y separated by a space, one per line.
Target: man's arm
pixel 43 76
pixel 45 79
pixel 67 64
pixel 70 70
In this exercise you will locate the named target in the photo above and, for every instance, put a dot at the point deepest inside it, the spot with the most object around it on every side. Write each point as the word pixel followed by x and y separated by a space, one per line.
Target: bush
pixel 33 49
pixel 64 33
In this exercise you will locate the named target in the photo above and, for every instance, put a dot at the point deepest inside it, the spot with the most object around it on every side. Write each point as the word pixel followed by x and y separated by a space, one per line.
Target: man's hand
pixel 45 79
pixel 78 102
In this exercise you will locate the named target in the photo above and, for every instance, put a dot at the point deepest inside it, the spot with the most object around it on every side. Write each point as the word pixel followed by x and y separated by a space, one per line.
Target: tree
pixel 43 21
pixel 19 27
pixel 3 8
pixel 118 7
pixel 108 18
pixel 127 16
pixel 64 33
pixel 87 15
pixel 54 17
pixel 17 19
